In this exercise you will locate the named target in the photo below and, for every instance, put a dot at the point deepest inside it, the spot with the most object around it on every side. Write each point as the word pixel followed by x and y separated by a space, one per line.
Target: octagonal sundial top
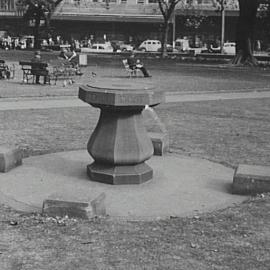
pixel 120 93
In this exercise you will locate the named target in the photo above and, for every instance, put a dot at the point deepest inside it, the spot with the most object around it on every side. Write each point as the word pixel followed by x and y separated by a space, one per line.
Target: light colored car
pixel 150 45
pixel 228 48
pixel 182 45
pixel 125 47
pixel 98 47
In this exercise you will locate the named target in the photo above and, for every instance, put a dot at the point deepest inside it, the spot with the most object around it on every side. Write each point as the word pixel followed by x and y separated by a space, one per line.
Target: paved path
pixel 73 101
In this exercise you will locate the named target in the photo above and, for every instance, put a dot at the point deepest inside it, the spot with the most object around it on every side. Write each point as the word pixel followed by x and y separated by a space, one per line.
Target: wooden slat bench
pixel 54 71
pixel 61 70
pixel 32 69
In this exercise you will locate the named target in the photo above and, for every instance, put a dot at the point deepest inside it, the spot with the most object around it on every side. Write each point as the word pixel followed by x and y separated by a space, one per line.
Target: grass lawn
pixel 234 238
pixel 168 75
pixel 229 132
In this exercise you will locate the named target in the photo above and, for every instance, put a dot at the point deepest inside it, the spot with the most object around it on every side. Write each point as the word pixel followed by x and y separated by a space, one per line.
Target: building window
pixel 140 1
pixel 152 1
pixel 123 1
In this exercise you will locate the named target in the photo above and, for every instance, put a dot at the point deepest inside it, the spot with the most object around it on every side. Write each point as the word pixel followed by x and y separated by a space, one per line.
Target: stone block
pixel 62 205
pixel 160 142
pixel 9 158
pixel 251 179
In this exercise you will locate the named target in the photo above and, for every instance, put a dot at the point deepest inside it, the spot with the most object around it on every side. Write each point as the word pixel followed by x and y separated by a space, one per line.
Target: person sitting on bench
pixel 63 54
pixel 137 64
pixel 71 58
pixel 39 70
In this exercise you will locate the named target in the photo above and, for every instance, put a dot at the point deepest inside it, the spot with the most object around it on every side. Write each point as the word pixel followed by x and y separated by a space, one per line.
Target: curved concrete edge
pixel 18 205
pixel 182 186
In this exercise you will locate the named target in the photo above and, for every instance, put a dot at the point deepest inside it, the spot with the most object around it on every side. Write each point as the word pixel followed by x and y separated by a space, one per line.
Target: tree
pixel 248 13
pixel 167 8
pixel 245 31
pixel 36 11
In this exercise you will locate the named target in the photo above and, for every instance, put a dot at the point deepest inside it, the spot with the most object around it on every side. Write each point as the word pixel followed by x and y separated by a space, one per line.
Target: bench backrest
pixel 33 64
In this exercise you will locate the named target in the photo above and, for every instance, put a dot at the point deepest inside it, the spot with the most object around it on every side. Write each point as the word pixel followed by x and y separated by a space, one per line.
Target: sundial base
pixel 120 175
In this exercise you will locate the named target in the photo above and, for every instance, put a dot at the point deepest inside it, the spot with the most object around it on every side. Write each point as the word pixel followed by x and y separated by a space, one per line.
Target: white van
pixel 182 45
pixel 150 46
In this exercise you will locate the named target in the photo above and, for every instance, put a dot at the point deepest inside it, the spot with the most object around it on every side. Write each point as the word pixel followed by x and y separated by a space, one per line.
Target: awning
pixel 110 17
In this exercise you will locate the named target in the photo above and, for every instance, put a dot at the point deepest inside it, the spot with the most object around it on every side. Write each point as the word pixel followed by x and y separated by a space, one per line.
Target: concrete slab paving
pixel 181 186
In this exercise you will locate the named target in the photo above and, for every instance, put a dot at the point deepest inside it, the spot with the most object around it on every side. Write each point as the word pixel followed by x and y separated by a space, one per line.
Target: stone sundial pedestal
pixel 119 144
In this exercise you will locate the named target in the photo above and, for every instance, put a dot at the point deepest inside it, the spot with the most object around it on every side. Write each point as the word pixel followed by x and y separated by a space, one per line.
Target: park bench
pixel 61 69
pixel 54 70
pixel 32 69
pixel 6 71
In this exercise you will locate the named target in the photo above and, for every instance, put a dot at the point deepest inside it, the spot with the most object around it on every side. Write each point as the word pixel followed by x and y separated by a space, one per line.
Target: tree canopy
pixel 38 10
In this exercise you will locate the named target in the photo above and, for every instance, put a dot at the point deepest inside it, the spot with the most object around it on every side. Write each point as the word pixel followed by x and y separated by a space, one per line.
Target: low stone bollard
pixel 250 179
pixel 9 158
pixel 61 206
pixel 160 142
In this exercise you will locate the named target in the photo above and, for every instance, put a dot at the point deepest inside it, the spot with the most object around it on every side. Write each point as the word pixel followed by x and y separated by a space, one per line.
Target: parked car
pixel 121 46
pixel 150 45
pixel 98 47
pixel 182 44
pixel 228 48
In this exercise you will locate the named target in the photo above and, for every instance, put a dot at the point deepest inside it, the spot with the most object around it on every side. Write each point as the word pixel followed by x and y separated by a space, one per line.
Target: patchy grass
pixel 229 132
pixel 181 77
pixel 233 238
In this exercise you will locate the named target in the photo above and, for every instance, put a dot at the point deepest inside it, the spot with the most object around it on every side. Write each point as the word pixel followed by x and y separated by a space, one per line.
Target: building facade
pixel 127 20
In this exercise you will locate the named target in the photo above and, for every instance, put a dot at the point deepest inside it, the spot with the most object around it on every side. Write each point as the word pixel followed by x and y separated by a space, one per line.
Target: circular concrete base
pixel 181 186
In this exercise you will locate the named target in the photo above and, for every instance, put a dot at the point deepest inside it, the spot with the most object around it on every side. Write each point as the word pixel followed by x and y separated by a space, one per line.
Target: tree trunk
pixel 245 31
pixel 165 39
